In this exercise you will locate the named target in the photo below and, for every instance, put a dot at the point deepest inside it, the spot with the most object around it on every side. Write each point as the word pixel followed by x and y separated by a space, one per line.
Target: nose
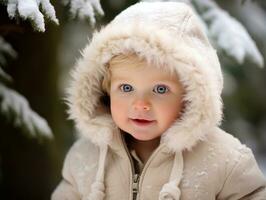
pixel 141 105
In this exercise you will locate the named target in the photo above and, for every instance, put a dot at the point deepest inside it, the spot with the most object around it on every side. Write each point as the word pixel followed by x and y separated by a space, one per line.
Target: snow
pixel 243 149
pixel 85 9
pixel 202 173
pixel 4 76
pixel 30 9
pixel 17 109
pixel 11 8
pixel 149 187
pixel 48 10
pixel 6 49
pixel 234 40
pixel 185 183
pixel 186 1
pixel 253 16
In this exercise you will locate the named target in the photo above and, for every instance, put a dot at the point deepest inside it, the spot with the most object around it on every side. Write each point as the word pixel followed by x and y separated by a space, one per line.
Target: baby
pixel 146 98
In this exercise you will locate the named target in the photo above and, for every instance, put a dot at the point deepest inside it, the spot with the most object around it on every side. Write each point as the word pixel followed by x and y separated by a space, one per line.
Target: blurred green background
pixel 30 167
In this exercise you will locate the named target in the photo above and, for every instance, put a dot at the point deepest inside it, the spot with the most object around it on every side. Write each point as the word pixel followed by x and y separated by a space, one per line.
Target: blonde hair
pixel 124 59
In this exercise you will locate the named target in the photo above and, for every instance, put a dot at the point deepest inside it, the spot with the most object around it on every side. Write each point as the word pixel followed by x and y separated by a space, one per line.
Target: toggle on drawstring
pixel 170 190
pixel 97 188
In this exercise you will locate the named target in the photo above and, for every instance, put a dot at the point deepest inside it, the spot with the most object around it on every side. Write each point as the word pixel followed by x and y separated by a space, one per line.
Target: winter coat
pixel 195 160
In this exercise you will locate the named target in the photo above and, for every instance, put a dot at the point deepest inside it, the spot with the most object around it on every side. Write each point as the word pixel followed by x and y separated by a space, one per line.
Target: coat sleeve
pixel 245 181
pixel 65 191
pixel 67 188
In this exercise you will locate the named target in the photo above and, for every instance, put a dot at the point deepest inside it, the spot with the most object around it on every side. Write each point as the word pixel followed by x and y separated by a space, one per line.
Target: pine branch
pixel 85 9
pixel 30 10
pixel 16 109
pixel 6 50
pixel 233 40
pixel 4 77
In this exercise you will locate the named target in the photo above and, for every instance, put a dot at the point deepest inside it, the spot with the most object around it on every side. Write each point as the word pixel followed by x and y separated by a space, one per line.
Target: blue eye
pixel 160 89
pixel 126 88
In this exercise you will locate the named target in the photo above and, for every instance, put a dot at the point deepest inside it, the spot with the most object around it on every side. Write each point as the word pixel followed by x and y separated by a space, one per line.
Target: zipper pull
pixel 135 185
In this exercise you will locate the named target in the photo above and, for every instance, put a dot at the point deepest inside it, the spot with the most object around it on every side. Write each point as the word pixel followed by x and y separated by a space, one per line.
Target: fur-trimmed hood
pixel 163 33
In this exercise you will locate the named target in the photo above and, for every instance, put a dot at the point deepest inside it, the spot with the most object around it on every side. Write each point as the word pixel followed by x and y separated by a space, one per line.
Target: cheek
pixel 118 109
pixel 170 110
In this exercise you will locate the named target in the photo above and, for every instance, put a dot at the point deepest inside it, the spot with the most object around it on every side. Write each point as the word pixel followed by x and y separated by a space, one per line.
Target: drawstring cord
pixel 97 188
pixel 170 190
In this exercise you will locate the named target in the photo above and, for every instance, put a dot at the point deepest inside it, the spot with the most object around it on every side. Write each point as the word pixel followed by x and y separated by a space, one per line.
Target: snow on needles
pixel 85 9
pixel 29 9
pixel 17 108
pixel 229 35
pixel 14 106
pixel 6 49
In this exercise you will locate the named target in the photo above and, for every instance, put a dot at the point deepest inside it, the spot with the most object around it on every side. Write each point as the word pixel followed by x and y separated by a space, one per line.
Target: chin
pixel 142 137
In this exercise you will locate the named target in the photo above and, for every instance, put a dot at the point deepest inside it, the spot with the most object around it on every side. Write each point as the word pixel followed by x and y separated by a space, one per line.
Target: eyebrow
pixel 163 81
pixel 118 79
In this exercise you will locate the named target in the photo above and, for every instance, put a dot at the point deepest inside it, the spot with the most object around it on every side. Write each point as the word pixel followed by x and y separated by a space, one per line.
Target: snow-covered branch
pixel 229 35
pixel 85 9
pixel 6 50
pixel 35 10
pixel 4 77
pixel 30 9
pixel 186 1
pixel 16 108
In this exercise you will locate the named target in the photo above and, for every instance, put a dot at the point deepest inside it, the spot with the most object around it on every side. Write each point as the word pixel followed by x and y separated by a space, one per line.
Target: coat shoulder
pixel 227 142
pixel 222 144
pixel 83 150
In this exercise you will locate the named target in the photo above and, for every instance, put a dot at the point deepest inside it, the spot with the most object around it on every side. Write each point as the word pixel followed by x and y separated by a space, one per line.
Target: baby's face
pixel 145 101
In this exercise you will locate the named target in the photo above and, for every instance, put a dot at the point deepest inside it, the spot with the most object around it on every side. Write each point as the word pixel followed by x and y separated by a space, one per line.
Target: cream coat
pixel 219 168
pixel 195 160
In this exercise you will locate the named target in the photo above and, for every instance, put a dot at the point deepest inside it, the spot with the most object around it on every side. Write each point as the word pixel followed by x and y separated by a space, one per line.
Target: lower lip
pixel 141 123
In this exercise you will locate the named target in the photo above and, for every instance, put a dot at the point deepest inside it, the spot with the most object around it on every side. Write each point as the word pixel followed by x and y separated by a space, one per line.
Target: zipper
pixel 135 186
pixel 136 176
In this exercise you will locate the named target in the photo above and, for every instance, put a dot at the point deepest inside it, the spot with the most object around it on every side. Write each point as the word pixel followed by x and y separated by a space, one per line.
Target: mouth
pixel 142 122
